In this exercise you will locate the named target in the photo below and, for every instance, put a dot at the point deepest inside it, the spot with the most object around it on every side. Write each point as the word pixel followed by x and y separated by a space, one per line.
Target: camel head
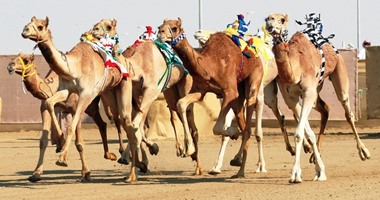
pixel 202 36
pixel 23 64
pixel 37 30
pixel 276 23
pixel 170 31
pixel 87 36
pixel 105 26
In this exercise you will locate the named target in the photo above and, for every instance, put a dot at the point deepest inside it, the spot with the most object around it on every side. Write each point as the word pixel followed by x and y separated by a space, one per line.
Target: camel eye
pixel 40 28
pixel 109 27
pixel 174 29
pixel 282 20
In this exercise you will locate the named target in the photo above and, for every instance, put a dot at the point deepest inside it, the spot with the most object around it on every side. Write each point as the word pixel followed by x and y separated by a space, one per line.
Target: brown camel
pixel 42 89
pixel 149 74
pixel 299 63
pixel 270 99
pixel 222 69
pixel 84 69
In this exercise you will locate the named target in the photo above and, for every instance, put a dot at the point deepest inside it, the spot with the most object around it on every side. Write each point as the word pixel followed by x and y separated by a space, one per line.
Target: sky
pixel 70 18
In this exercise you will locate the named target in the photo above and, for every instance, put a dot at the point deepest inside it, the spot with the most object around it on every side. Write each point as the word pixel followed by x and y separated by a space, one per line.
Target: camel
pixel 270 99
pixel 84 69
pixel 299 69
pixel 42 89
pixel 211 70
pixel 150 76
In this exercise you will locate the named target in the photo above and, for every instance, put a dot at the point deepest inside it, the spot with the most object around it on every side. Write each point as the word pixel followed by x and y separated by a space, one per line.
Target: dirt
pixel 171 177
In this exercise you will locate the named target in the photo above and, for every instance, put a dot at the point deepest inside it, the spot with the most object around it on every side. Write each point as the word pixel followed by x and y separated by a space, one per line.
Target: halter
pixel 24 68
pixel 39 38
pixel 282 37
pixel 113 37
pixel 177 39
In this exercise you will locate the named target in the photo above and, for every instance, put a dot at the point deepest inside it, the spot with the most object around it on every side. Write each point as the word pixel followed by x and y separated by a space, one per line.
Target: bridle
pixel 39 38
pixel 179 38
pixel 24 73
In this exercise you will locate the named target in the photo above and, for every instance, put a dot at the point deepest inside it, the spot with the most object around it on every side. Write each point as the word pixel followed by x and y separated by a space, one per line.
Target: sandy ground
pixel 170 177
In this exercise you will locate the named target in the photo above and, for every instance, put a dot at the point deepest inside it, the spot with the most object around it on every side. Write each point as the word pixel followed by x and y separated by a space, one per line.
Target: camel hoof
pixel 86 177
pixel 215 172
pixel 123 161
pixel 312 159
pixel 61 163
pixel 142 167
pixel 110 156
pixel 364 154
pixel 234 137
pixel 307 148
pixel 180 152
pixel 58 149
pixel 153 150
pixel 238 176
pixel 295 178
pixel 320 177
pixel 34 178
pixel 291 150
pixel 236 162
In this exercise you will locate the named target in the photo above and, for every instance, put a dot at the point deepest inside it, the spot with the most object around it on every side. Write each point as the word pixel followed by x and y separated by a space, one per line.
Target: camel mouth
pixel 11 71
pixel 270 29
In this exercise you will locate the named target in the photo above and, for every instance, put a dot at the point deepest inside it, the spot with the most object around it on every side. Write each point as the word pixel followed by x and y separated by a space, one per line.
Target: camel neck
pixel 56 59
pixel 190 57
pixel 287 69
pixel 38 87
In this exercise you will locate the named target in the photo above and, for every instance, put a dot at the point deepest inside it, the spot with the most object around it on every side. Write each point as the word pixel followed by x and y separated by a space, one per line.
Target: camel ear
pixel 114 22
pixel 165 20
pixel 33 19
pixel 31 57
pixel 47 20
pixel 179 22
pixel 286 18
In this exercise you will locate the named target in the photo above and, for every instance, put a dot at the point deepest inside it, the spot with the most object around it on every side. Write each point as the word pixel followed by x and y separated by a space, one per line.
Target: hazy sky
pixel 70 18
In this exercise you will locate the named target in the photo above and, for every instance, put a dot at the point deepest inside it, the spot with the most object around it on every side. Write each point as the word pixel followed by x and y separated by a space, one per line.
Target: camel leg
pixel 340 81
pixel 253 94
pixel 291 99
pixel 182 106
pixel 195 138
pixel 229 98
pixel 323 109
pixel 148 97
pixel 46 122
pixel 178 145
pixel 216 169
pixel 93 111
pixel 309 97
pixel 111 109
pixel 80 148
pixel 258 131
pixel 171 97
pixel 270 99
pixel 59 96
pixel 124 102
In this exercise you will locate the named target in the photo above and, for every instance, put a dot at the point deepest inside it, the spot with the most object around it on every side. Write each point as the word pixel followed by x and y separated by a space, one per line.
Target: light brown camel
pixel 299 63
pixel 24 65
pixel 150 76
pixel 84 69
pixel 222 69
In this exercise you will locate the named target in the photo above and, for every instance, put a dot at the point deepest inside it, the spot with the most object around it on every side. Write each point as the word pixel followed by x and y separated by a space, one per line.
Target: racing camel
pixel 84 69
pixel 299 69
pixel 24 65
pixel 219 68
